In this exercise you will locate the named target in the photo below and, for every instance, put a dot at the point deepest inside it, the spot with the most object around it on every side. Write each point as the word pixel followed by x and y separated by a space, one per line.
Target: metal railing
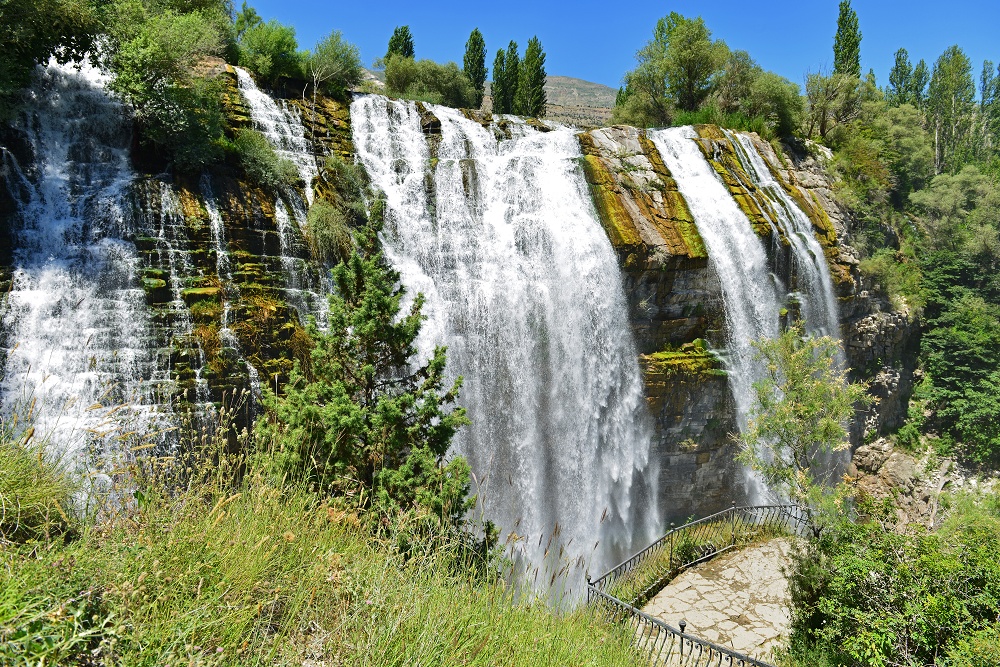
pixel 616 594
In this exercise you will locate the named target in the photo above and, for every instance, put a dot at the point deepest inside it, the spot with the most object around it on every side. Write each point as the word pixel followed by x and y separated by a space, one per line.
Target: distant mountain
pixel 569 92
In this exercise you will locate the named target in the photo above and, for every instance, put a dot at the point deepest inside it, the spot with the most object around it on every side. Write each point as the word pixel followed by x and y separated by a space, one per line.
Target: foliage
pixel 506 76
pixel 261 164
pixel 328 233
pixel 401 43
pixel 847 43
pixel 184 561
pixel 334 63
pixel 36 488
pixel 32 31
pixel 950 101
pixel 429 81
pixel 799 415
pixel 271 50
pixel 898 275
pixel 474 65
pixel 529 99
pixel 359 419
pixel 865 595
pixel 152 57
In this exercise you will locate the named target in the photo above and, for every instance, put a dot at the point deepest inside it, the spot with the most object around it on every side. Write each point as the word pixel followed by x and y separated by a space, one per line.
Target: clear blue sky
pixel 596 41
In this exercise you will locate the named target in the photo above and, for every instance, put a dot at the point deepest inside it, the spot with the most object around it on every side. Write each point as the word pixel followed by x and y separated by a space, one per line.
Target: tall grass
pixel 204 557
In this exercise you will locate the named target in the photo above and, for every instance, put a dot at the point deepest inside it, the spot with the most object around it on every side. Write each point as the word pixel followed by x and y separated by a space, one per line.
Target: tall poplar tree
pixel 499 88
pixel 474 64
pixel 899 79
pixel 512 75
pixel 847 42
pixel 918 85
pixel 401 43
pixel 951 102
pixel 530 99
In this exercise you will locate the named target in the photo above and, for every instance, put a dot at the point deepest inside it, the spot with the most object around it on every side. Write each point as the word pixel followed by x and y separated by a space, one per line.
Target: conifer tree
pixel 401 43
pixel 474 64
pixel 530 99
pixel 499 88
pixel 847 43
pixel 899 79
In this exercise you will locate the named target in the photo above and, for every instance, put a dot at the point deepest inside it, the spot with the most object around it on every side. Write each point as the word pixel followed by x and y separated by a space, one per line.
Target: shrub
pixel 271 50
pixel 429 81
pixel 260 162
pixel 36 489
pixel 328 233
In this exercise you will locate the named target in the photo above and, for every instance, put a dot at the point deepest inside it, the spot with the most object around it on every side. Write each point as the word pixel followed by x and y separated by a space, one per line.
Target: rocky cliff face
pixel 675 299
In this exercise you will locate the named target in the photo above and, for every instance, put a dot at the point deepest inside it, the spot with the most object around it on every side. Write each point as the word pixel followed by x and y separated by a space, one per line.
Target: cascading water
pixel 818 301
pixel 523 287
pixel 286 133
pixel 749 290
pixel 76 324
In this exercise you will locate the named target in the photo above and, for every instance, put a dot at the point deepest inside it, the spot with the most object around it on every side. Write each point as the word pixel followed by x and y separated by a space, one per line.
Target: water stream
pixel 523 287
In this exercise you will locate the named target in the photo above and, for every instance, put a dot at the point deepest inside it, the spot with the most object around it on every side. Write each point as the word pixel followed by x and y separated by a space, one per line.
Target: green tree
pixel 512 76
pixel 847 42
pixel 335 63
pixel 32 31
pixel 900 79
pixel 530 99
pixel 800 411
pixel 951 102
pixel 401 43
pixel 360 418
pixel 692 61
pixel 271 50
pixel 474 65
pixel 245 19
pixel 429 81
pixel 152 57
pixel 918 84
pixel 498 89
pixel 831 100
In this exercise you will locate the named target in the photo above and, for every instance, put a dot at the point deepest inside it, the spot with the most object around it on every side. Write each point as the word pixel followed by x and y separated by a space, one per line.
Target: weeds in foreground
pixel 203 557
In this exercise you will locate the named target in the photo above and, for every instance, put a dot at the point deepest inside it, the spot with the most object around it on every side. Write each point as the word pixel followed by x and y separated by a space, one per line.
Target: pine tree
pixel 531 81
pixel 847 43
pixel 499 88
pixel 359 418
pixel 900 79
pixel 474 64
pixel 401 43
pixel 512 75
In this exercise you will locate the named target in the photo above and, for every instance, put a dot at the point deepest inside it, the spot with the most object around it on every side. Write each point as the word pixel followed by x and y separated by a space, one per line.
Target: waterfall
pixel 818 301
pixel 76 325
pixel 749 290
pixel 523 287
pixel 286 133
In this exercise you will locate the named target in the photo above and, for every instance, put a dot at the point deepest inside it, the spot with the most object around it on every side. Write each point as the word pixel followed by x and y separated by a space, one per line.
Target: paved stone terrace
pixel 738 600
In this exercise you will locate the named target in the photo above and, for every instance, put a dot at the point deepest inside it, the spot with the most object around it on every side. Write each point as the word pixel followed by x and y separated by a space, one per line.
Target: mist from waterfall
pixel 523 287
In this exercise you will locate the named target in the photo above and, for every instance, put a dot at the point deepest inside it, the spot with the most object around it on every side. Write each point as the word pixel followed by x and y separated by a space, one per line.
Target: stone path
pixel 737 600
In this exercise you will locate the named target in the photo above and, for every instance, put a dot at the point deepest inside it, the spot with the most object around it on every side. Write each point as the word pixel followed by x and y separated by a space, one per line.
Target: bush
pixel 271 50
pixel 328 233
pixel 261 163
pixel 428 81
pixel 898 275
pixel 869 596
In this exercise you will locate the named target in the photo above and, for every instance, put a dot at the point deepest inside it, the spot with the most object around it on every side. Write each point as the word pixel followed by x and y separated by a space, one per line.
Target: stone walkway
pixel 737 600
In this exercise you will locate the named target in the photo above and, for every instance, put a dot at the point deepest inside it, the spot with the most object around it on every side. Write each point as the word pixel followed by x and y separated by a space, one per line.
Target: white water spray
pixel 523 287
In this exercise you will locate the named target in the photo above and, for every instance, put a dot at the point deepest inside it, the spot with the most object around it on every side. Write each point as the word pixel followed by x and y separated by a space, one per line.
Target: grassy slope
pixel 260 573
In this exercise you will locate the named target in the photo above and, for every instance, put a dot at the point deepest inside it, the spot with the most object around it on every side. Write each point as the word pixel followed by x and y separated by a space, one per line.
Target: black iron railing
pixel 616 594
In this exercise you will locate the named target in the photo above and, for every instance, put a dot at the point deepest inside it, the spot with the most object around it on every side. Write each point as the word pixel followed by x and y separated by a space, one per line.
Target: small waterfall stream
pixel 818 301
pixel 523 287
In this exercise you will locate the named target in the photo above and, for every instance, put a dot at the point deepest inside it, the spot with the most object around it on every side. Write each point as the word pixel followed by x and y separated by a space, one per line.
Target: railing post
pixel 670 563
pixel 683 625
pixel 733 512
